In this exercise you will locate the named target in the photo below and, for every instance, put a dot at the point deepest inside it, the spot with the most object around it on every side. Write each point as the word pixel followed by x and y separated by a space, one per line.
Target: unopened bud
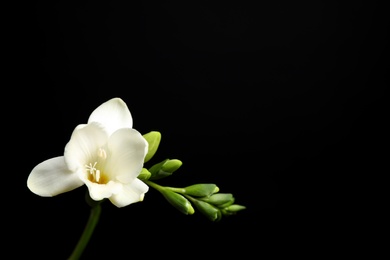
pixel 201 190
pixel 144 175
pixel 153 138
pixel 235 208
pixel 164 169
pixel 171 165
pixel 178 201
pixel 232 209
pixel 211 212
pixel 220 199
pixel 156 172
pixel 227 204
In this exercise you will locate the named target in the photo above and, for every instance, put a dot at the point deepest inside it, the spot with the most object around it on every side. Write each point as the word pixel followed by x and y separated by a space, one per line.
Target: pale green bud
pixel 164 168
pixel 171 165
pixel 144 175
pixel 201 190
pixel 155 168
pixel 227 204
pixel 156 172
pixel 219 199
pixel 211 212
pixel 153 138
pixel 232 209
pixel 178 201
pixel 235 208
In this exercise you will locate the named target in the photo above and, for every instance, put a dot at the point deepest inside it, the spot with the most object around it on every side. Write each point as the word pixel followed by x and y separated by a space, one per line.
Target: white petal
pixel 103 191
pixel 113 115
pixel 128 152
pixel 131 193
pixel 83 145
pixel 52 177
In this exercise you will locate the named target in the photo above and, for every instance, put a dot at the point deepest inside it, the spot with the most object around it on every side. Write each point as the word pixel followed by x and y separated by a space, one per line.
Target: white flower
pixel 106 155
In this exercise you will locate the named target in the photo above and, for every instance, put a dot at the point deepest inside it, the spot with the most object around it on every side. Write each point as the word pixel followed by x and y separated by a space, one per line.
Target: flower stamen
pixel 93 171
pixel 91 168
pixel 97 175
pixel 102 153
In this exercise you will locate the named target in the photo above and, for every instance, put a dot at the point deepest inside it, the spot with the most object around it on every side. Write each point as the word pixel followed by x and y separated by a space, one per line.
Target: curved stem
pixel 87 233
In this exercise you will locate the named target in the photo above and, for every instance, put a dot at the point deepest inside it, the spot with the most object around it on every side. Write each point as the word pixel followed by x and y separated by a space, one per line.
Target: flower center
pixel 94 174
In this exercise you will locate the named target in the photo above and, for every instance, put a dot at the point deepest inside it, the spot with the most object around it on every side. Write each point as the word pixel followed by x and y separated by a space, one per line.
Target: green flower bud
pixel 155 168
pixel 153 138
pixel 219 199
pixel 156 172
pixel 227 204
pixel 201 190
pixel 232 209
pixel 178 201
pixel 211 212
pixel 171 165
pixel 235 208
pixel 164 169
pixel 144 175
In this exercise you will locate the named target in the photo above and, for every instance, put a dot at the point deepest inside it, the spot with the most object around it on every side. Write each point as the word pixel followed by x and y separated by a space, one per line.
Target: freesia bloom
pixel 106 155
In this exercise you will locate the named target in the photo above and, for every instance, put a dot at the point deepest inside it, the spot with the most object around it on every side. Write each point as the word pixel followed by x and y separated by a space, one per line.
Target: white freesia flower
pixel 106 155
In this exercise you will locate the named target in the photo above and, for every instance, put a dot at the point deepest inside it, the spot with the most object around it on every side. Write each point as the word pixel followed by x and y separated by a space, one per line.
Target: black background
pixel 280 103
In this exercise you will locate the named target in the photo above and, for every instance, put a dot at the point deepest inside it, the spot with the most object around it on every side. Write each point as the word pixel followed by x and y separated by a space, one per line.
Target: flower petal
pixel 83 145
pixel 131 193
pixel 113 115
pixel 52 177
pixel 99 192
pixel 128 151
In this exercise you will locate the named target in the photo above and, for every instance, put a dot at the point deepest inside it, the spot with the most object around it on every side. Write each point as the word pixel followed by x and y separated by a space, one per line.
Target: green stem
pixel 159 187
pixel 87 233
pixel 154 185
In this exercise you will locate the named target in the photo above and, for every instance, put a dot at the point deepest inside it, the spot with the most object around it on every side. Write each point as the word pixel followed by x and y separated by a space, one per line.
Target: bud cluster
pixel 210 203
pixel 204 196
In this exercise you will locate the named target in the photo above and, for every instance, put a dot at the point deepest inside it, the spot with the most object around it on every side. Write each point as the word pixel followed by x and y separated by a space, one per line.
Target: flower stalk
pixel 87 233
